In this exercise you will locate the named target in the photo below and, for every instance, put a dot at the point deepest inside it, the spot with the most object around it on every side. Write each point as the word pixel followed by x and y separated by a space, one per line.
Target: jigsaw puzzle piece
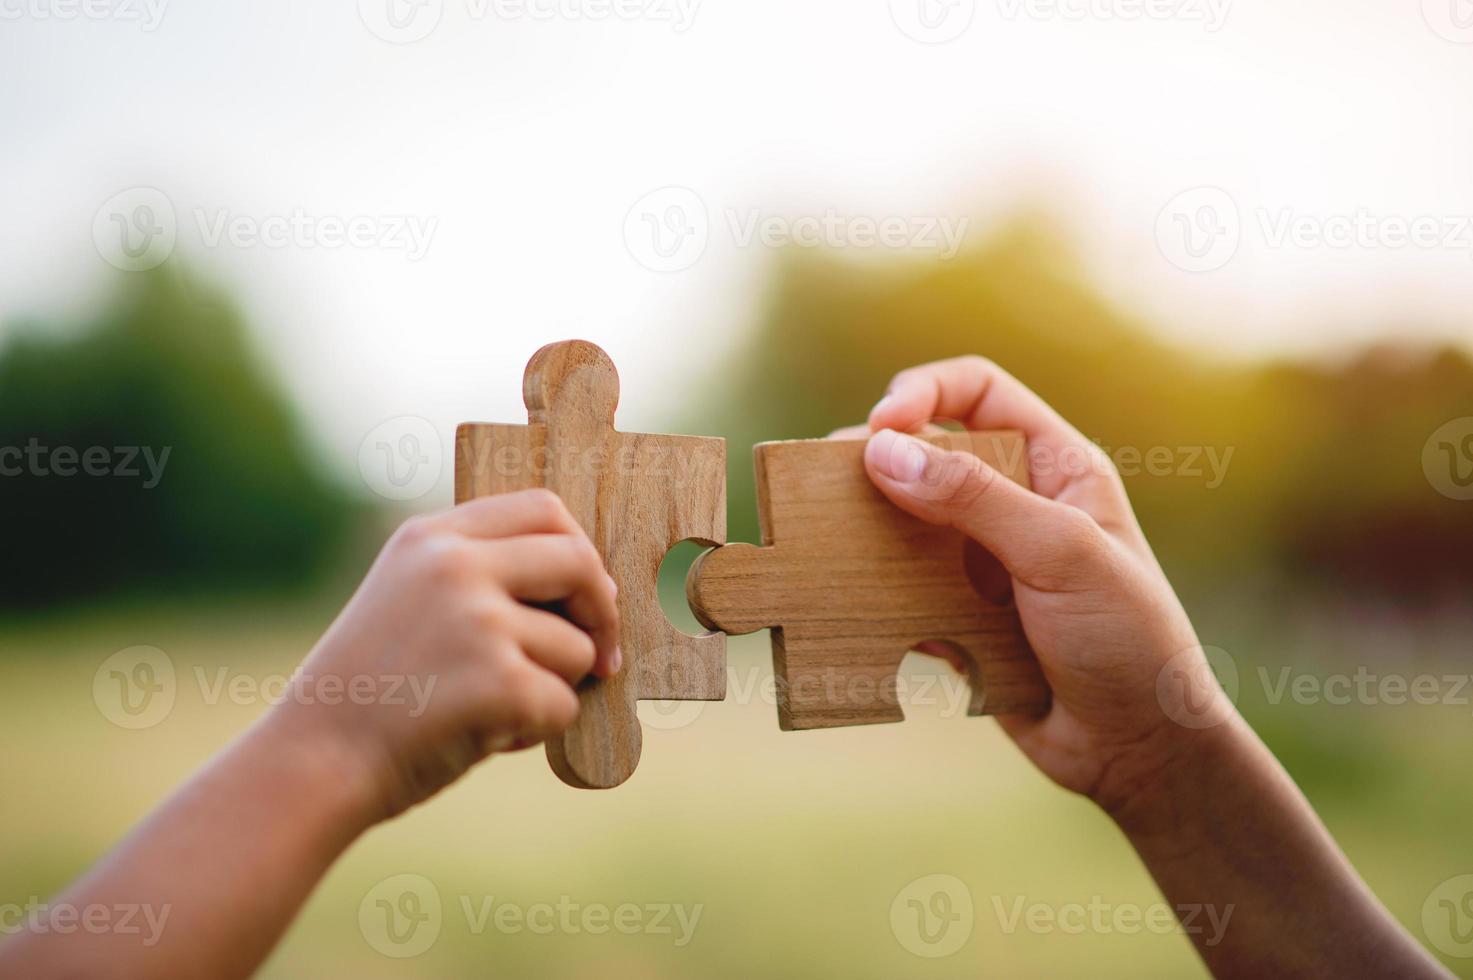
pixel 849 583
pixel 636 496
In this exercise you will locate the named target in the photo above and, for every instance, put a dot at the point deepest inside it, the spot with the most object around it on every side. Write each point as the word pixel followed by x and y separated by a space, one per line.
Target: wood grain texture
pixel 849 583
pixel 637 496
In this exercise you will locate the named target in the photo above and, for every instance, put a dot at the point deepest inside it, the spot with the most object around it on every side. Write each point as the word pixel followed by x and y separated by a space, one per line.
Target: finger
pixel 1044 544
pixel 505 514
pixel 514 744
pixel 863 431
pixel 563 568
pixel 532 704
pixel 500 743
pixel 553 642
pixel 549 705
pixel 981 395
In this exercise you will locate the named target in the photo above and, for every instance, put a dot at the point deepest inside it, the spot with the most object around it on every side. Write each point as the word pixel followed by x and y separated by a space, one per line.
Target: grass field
pixel 791 848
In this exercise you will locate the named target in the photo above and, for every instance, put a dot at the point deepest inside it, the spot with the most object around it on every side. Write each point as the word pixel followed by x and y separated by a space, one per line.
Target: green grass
pixel 794 845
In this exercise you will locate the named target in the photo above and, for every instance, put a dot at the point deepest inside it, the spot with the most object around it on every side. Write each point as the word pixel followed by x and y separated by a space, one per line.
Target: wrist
pixel 1168 789
pixel 330 774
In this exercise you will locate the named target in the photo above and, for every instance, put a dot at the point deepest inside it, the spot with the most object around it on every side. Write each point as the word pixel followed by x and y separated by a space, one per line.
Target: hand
pixel 1093 600
pixel 452 661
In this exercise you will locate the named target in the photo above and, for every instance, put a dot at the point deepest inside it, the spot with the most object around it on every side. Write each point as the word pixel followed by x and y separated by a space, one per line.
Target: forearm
pixel 215 875
pixel 1237 849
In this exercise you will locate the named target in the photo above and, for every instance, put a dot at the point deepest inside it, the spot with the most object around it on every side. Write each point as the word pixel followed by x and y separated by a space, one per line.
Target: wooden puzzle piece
pixel 849 583
pixel 637 496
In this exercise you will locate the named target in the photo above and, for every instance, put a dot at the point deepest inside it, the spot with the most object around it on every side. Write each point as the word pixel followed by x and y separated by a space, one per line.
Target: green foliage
pixel 238 500
pixel 1324 478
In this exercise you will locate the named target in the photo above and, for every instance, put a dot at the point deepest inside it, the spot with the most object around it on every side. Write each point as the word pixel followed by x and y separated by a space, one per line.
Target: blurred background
pixel 260 259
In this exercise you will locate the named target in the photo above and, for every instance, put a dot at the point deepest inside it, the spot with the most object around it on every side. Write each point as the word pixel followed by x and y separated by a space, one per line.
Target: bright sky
pixel 520 138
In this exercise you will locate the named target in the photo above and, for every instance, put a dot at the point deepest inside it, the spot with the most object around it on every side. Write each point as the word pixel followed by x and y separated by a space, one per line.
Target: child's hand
pixel 1137 723
pixel 1095 604
pixel 451 660
pixel 438 660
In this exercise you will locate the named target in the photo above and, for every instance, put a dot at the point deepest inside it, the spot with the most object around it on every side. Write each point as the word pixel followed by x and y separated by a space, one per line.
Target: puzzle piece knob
pixel 728 589
pixel 573 377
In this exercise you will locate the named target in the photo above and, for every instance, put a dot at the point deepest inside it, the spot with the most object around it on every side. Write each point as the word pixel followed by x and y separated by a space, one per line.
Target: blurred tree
pixel 151 453
pixel 1359 512
pixel 1264 471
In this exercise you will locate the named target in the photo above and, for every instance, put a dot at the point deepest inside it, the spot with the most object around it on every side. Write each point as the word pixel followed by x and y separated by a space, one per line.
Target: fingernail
pixel 882 405
pixel 500 743
pixel 613 587
pixel 897 456
pixel 618 660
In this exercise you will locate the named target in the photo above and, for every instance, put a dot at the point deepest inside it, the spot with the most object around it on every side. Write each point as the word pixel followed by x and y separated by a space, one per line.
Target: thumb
pixel 1042 543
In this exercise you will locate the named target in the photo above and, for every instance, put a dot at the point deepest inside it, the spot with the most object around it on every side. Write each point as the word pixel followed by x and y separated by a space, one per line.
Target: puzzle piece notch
pixel 637 496
pixel 849 583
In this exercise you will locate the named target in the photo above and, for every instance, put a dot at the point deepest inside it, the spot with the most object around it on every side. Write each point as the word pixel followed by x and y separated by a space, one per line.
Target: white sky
pixel 531 139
